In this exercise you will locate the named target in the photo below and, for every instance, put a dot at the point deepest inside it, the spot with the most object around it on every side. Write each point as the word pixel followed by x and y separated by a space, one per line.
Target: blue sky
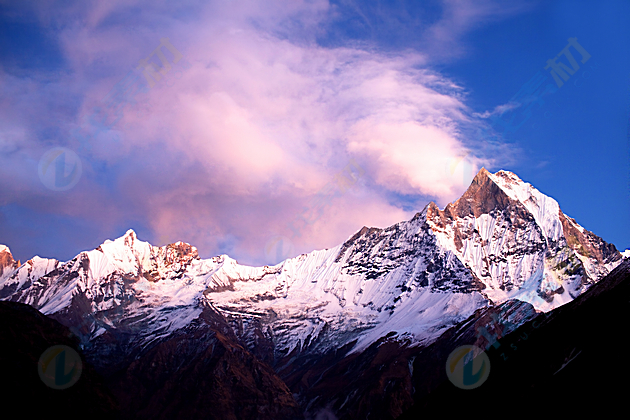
pixel 345 113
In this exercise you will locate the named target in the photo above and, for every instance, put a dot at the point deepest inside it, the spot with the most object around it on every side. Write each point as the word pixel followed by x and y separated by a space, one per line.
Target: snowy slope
pixel 16 278
pixel 324 299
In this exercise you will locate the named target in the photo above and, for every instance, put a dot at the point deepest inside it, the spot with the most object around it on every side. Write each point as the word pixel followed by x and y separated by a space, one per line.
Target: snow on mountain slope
pixel 16 277
pixel 326 299
pixel 134 288
pixel 544 209
pixel 7 264
pixel 501 240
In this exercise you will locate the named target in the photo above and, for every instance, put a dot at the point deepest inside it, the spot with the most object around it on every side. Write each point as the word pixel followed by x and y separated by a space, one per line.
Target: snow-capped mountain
pixel 324 315
pixel 501 240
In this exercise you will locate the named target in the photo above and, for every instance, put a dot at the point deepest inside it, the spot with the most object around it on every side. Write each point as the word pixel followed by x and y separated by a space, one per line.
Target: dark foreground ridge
pixel 25 334
pixel 562 363
pixel 199 373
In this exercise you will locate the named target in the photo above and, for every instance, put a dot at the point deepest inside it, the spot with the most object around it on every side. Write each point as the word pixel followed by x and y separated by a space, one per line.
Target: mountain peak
pixel 129 239
pixel 6 260
pixel 482 196
pixel 489 191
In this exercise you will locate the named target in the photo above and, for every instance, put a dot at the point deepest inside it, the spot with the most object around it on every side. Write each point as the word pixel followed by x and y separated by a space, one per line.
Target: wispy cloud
pixel 498 110
pixel 460 17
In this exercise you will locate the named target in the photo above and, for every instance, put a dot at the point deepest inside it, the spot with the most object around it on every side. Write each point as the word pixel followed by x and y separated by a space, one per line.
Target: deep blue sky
pixel 270 103
pixel 575 146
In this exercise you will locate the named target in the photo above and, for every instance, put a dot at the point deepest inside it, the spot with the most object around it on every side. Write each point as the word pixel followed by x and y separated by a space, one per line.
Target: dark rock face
pixel 203 372
pixel 542 364
pixel 7 263
pixel 522 235
pixel 373 384
pixel 178 255
pixel 587 243
pixel 483 197
pixel 25 334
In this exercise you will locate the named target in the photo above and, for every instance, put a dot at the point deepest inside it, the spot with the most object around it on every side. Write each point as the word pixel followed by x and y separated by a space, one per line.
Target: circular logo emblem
pixel 59 367
pixel 468 367
pixel 59 169
pixel 278 249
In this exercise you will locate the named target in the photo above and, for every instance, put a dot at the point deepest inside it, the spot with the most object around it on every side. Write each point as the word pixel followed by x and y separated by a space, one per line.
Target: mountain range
pixel 361 330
